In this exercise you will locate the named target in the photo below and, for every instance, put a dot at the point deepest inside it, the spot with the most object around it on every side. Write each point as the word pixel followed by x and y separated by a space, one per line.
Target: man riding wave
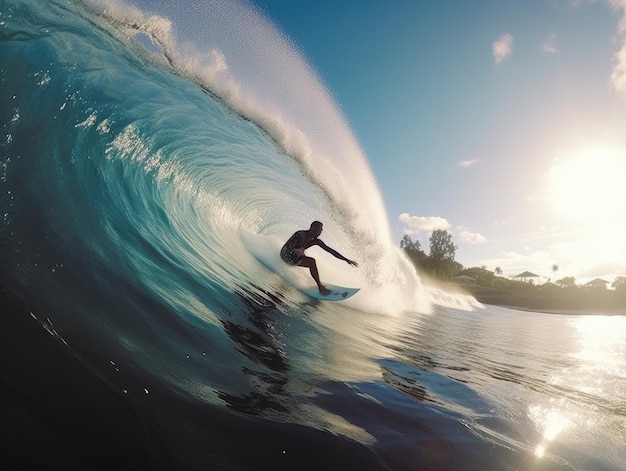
pixel 293 252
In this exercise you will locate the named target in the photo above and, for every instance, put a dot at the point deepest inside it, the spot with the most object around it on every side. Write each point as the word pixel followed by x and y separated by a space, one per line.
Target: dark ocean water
pixel 152 161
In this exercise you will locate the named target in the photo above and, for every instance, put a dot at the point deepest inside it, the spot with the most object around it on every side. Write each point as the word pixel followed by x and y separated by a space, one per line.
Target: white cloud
pixel 549 44
pixel 468 163
pixel 502 48
pixel 504 222
pixel 419 223
pixel 618 76
pixel 468 236
pixel 620 5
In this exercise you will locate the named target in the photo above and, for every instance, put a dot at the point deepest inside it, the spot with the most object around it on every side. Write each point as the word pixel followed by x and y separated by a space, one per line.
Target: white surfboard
pixel 338 293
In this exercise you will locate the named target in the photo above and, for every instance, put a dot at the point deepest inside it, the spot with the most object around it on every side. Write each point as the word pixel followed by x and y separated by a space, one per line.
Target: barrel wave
pixel 145 178
pixel 154 156
pixel 175 149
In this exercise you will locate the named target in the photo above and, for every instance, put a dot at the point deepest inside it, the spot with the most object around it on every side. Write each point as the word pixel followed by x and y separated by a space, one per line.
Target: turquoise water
pixel 152 163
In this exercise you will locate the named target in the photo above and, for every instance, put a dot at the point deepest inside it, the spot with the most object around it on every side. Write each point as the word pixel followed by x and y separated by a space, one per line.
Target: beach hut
pixel 525 276
pixel 598 283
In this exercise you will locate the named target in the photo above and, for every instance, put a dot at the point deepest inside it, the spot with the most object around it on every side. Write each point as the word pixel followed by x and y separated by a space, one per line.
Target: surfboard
pixel 338 293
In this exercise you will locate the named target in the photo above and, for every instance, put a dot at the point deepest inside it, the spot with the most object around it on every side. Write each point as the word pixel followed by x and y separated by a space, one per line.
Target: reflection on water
pixel 547 390
pixel 587 392
pixel 552 421
pixel 601 344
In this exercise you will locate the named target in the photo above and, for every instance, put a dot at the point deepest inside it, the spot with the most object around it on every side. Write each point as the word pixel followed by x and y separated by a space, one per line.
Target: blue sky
pixel 503 122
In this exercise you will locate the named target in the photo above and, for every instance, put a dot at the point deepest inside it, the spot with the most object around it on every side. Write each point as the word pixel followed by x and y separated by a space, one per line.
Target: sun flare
pixel 591 185
pixel 587 191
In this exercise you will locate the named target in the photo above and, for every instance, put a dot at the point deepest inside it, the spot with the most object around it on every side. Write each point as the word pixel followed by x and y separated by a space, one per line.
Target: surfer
pixel 293 252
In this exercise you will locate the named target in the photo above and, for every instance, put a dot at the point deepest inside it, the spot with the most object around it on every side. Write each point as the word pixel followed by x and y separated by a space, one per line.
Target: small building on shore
pixel 465 280
pixel 527 277
pixel 598 283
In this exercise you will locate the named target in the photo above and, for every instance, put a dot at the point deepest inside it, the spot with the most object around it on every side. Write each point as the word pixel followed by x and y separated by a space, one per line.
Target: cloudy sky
pixel 503 122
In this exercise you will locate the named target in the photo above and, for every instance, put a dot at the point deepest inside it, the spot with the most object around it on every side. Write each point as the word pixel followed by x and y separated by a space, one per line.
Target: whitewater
pixel 154 157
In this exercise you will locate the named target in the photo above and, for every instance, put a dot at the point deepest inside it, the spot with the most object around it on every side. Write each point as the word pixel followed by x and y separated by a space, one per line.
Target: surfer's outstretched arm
pixel 336 254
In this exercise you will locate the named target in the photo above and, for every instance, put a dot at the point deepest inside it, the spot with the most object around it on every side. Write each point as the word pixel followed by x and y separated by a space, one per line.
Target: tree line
pixel 440 263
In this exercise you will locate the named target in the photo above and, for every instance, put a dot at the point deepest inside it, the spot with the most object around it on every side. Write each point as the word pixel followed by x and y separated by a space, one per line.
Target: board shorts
pixel 286 253
pixel 289 257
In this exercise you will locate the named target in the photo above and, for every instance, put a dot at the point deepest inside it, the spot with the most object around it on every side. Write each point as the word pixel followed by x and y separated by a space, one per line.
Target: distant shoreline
pixel 570 302
pixel 580 312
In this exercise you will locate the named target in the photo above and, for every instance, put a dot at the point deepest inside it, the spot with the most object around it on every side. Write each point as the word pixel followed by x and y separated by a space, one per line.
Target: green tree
pixel 567 282
pixel 441 261
pixel 441 245
pixel 619 283
pixel 407 243
pixel 555 268
pixel 444 269
pixel 413 250
pixel 498 271
pixel 620 290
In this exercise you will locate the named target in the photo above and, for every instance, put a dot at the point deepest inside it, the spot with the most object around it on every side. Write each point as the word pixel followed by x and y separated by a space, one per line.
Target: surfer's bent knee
pixel 306 262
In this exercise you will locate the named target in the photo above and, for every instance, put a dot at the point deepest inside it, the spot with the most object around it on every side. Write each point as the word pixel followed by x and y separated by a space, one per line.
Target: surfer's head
pixel 316 228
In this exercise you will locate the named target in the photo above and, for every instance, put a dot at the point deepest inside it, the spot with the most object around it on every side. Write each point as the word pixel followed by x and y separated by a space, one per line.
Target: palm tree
pixel 555 268
pixel 498 271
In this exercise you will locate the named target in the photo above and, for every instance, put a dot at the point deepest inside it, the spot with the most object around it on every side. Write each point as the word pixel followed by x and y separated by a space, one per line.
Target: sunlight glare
pixel 552 421
pixel 602 345
pixel 590 185
pixel 597 371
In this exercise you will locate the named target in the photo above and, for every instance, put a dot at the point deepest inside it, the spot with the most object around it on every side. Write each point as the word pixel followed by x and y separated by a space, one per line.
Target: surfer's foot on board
pixel 325 291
